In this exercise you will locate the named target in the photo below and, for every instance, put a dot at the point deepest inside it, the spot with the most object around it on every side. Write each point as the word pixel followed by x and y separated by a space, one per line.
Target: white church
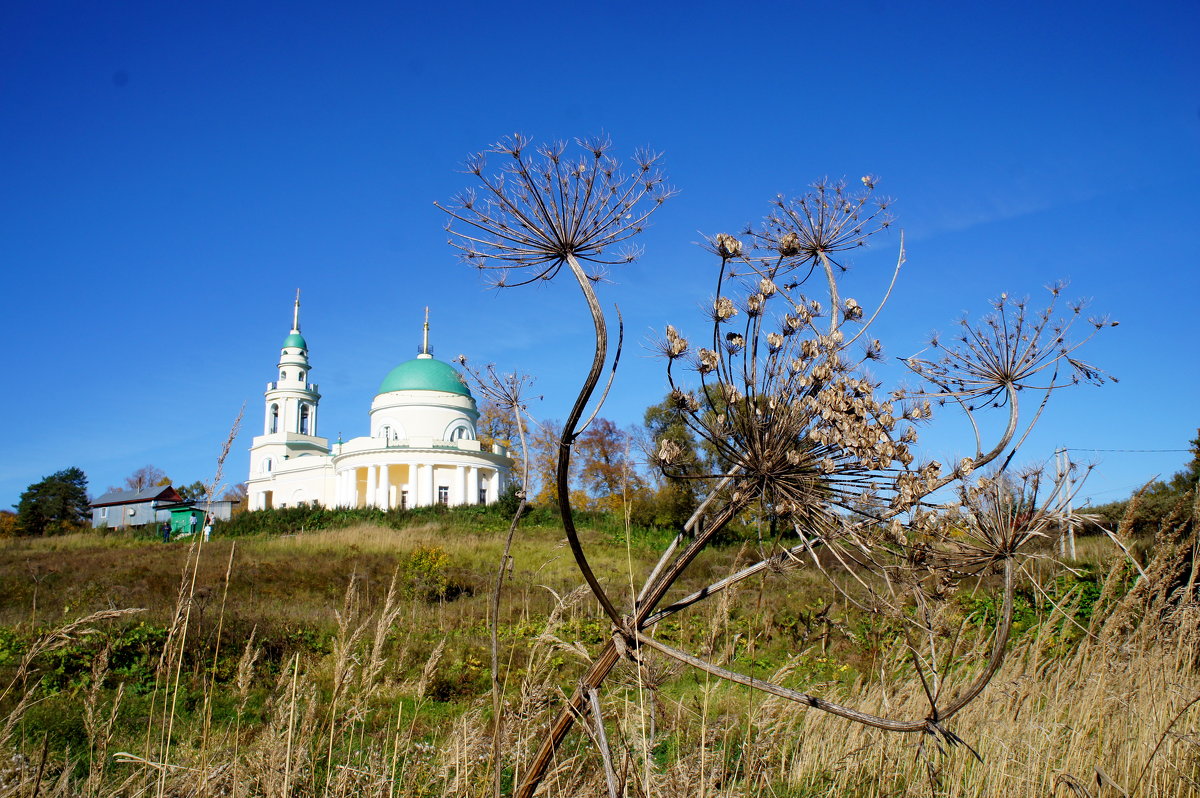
pixel 422 448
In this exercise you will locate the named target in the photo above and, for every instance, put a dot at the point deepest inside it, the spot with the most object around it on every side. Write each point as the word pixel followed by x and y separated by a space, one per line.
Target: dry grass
pixel 379 709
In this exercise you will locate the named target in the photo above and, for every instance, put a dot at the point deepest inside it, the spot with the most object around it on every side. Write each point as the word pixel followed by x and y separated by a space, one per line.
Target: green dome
pixel 295 340
pixel 425 374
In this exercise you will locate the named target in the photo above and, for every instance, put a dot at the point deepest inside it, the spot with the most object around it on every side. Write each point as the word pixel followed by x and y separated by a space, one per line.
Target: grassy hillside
pixel 355 661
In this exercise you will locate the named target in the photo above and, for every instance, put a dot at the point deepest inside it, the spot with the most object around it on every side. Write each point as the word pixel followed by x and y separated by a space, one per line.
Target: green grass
pixel 312 599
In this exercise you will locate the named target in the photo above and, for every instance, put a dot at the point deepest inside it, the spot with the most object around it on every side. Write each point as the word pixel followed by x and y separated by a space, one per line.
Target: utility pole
pixel 1066 525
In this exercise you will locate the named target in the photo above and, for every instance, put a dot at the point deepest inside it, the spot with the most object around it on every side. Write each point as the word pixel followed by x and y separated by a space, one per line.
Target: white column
pixel 428 497
pixel 412 485
pixel 472 485
pixel 460 485
pixel 372 485
pixel 385 487
pixel 494 485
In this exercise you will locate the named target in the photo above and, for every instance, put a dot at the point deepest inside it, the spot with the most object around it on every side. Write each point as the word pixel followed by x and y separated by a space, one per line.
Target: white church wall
pixel 428 451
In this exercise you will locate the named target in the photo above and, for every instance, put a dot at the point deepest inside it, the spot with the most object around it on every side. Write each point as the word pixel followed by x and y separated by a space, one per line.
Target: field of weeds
pixel 355 662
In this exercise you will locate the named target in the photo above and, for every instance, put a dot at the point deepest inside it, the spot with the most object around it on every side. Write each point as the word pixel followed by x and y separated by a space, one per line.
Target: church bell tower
pixel 289 407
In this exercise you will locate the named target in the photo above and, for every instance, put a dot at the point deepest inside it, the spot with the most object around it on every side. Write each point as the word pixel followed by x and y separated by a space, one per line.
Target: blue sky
pixel 173 172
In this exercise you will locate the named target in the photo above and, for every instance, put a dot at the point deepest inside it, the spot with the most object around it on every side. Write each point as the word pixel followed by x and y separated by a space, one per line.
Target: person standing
pixel 166 531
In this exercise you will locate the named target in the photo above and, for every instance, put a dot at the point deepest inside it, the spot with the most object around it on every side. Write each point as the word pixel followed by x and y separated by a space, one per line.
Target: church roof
pixel 425 374
pixel 295 339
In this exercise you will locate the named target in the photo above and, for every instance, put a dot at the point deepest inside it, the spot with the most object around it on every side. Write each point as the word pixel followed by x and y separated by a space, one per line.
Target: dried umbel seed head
pixel 789 245
pixel 724 309
pixel 707 362
pixel 920 410
pixel 766 287
pixel 734 341
pixel 966 466
pixel 791 324
pixel 774 341
pixel 668 452
pixel 754 304
pixel 683 400
pixel 676 344
pixel 851 311
pixel 728 246
pixel 832 341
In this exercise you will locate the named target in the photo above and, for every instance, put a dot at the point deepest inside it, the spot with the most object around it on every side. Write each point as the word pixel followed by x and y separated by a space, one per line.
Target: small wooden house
pixel 124 508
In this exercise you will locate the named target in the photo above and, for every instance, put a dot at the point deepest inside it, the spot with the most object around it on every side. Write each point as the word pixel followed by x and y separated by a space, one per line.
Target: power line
pixel 1154 451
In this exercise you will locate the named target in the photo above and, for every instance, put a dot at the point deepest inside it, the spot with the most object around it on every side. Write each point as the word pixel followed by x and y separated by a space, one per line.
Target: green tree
pixel 55 504
pixel 676 494
pixel 1187 479
pixel 192 492
pixel 1157 500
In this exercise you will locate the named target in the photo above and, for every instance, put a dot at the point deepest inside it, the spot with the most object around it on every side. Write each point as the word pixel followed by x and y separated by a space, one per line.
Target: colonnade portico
pixel 398 485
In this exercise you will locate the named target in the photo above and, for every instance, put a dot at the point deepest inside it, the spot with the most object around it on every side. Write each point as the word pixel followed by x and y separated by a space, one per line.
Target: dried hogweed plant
pixel 507 392
pixel 549 207
pixel 799 433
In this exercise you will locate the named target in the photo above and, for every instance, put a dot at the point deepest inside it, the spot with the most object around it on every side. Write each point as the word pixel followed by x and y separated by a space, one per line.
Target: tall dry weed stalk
pixel 507 393
pixel 796 426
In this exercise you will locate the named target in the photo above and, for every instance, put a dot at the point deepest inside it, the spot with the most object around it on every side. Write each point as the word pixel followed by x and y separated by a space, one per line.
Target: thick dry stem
pixel 563 472
pixel 935 716
pixel 609 656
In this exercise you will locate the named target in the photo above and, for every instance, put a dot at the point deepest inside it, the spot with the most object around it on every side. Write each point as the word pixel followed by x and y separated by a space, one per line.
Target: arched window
pixel 300 376
pixel 283 375
pixel 273 426
pixel 267 466
pixel 460 432
pixel 390 430
pixel 303 419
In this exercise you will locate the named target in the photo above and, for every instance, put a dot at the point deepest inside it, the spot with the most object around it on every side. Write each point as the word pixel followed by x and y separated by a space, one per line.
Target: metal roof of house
pixel 165 492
